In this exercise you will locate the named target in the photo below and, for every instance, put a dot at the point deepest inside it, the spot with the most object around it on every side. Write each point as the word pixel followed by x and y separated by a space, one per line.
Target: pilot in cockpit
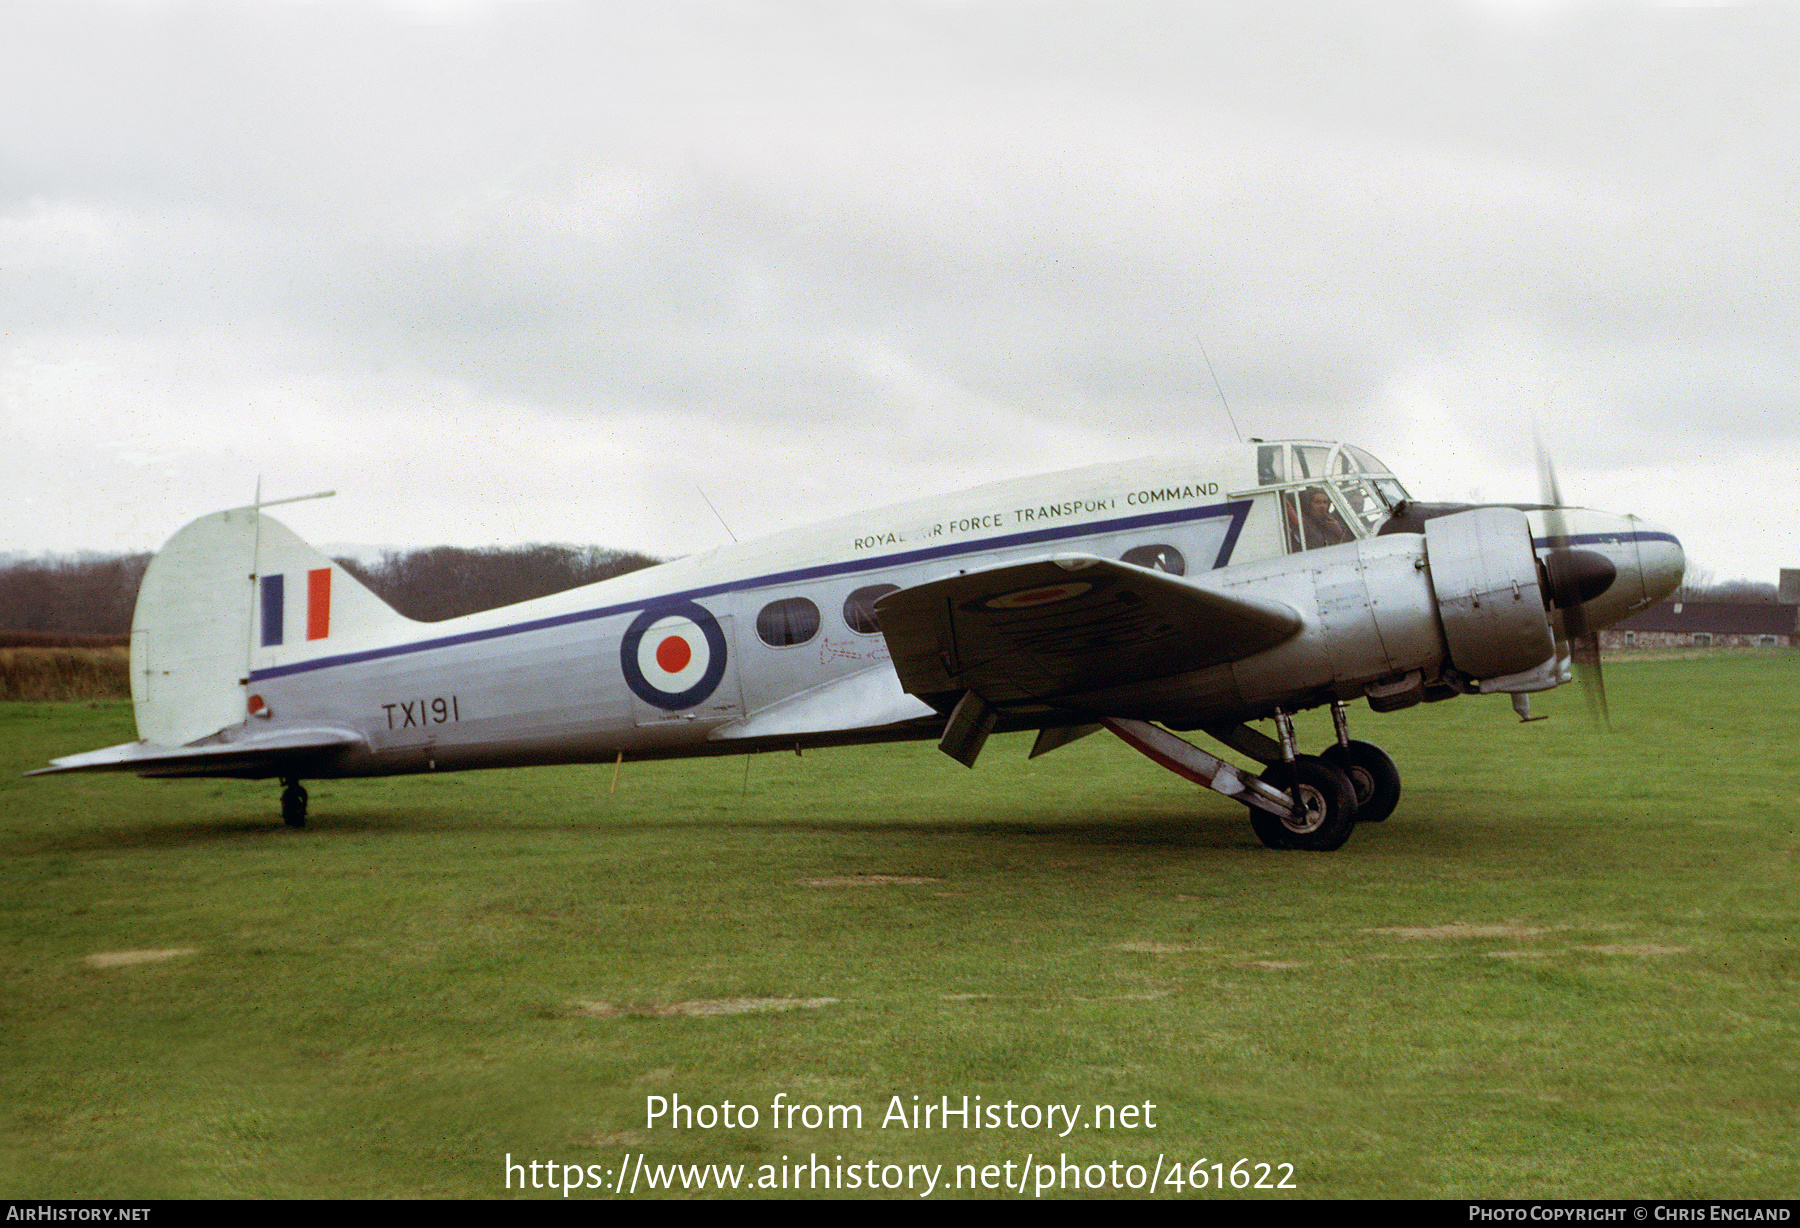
pixel 1319 522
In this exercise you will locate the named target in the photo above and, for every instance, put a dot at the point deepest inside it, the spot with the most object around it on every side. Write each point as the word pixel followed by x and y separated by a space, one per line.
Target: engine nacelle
pixel 1485 577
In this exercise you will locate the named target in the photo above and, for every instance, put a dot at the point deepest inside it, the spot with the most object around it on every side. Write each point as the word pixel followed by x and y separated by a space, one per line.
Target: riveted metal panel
pixel 1486 580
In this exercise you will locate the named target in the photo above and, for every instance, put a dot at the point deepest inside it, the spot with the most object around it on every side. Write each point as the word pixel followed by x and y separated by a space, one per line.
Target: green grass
pixel 381 1005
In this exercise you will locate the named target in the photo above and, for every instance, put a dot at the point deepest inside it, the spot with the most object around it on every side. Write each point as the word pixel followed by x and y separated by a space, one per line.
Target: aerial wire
pixel 715 512
pixel 1215 379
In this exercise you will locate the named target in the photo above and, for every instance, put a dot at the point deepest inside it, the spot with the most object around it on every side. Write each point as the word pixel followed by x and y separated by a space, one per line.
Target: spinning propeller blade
pixel 1575 576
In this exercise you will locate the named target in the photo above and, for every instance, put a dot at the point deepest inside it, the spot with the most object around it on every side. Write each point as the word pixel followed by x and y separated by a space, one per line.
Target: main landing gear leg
pixel 293 802
pixel 1304 804
pixel 1372 773
pixel 1371 770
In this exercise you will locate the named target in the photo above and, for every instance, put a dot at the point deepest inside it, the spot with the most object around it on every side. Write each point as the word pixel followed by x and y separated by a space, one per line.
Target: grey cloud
pixel 807 219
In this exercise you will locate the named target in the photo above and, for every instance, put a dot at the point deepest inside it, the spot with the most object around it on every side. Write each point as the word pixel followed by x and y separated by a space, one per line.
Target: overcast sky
pixel 517 271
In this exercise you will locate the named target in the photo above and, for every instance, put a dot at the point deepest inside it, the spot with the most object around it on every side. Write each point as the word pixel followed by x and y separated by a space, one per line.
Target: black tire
pixel 1372 774
pixel 1328 806
pixel 293 805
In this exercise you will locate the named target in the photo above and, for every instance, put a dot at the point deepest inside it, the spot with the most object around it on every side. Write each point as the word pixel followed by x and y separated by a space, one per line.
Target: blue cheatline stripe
pixel 272 606
pixel 1589 539
pixel 1237 511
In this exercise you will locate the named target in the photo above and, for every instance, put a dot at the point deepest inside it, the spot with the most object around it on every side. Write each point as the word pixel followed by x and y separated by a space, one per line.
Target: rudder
pixel 233 592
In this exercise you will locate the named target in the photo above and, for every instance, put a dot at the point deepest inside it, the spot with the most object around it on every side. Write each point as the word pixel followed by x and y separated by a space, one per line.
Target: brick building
pixel 1707 624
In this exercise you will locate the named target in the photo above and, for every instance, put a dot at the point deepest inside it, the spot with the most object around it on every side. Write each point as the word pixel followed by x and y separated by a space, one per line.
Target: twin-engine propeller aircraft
pixel 1143 598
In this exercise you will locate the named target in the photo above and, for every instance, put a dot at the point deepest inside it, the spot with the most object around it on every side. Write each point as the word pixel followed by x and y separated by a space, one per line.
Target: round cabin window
pixel 859 607
pixel 792 620
pixel 1156 558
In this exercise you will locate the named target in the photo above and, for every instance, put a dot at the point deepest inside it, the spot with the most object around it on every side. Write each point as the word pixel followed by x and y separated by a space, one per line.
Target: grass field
pixel 1566 968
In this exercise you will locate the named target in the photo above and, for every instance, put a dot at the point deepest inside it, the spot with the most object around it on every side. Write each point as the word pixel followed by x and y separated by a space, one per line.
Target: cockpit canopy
pixel 1330 492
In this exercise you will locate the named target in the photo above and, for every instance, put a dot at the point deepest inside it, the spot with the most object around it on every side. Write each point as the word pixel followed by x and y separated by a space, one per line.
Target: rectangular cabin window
pixel 1702 639
pixel 1631 637
pixel 1767 641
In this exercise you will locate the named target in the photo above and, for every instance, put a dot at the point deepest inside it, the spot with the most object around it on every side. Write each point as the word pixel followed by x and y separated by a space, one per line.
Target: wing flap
pixel 1065 626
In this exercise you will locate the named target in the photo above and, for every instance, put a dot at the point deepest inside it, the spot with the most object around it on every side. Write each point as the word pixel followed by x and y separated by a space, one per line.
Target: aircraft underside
pixel 1297 802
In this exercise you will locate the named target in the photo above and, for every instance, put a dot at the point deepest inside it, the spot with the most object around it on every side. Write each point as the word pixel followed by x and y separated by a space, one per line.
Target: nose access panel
pixel 1486 580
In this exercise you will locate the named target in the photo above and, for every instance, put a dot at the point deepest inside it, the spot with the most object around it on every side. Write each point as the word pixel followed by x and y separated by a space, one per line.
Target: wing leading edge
pixel 1061 627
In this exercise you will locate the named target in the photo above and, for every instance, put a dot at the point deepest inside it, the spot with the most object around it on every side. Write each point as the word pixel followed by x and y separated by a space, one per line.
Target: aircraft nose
pixel 1661 562
pixel 1609 565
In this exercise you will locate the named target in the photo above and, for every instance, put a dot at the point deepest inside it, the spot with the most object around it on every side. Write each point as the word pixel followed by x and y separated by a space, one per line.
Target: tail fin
pixel 232 592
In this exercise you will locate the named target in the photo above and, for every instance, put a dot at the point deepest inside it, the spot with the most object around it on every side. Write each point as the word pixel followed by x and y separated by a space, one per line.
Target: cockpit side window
pixel 1271 464
pixel 1327 493
pixel 1392 491
pixel 1384 484
pixel 1310 462
pixel 1311 519
pixel 1290 520
pixel 1367 507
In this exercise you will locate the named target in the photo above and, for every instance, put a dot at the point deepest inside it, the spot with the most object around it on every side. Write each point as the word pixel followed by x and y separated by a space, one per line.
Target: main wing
pixel 1060 627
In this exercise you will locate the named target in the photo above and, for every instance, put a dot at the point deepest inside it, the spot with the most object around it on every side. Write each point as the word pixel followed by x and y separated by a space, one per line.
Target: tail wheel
pixel 1326 801
pixel 293 804
pixel 1372 774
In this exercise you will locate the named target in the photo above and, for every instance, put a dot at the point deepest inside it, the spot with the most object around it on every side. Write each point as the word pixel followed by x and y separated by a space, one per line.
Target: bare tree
pixel 449 581
pixel 91 594
pixel 1695 585
pixel 1741 592
pixel 1700 585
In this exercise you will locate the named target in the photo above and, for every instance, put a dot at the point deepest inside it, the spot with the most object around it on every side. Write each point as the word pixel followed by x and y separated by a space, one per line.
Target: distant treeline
pixel 82 594
pixel 1732 592
pixel 448 581
pixel 64 600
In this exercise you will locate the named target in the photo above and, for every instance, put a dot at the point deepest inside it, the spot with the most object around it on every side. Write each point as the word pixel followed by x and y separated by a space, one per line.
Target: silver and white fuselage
pixel 1194 597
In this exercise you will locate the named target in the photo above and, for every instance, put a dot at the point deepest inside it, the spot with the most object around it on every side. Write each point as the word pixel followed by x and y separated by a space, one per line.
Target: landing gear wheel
pixel 1372 773
pixel 293 804
pixel 1327 802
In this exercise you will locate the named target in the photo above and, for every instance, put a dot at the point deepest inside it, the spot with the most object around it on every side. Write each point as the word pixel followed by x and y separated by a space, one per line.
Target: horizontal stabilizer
pixel 1067 626
pixel 256 756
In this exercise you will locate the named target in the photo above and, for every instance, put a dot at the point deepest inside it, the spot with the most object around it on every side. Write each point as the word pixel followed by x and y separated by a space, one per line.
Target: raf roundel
pixel 673 655
pixel 1025 598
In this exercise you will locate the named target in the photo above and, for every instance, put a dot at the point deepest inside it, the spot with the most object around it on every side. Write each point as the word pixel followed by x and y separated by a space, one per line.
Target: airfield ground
pixel 1567 967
